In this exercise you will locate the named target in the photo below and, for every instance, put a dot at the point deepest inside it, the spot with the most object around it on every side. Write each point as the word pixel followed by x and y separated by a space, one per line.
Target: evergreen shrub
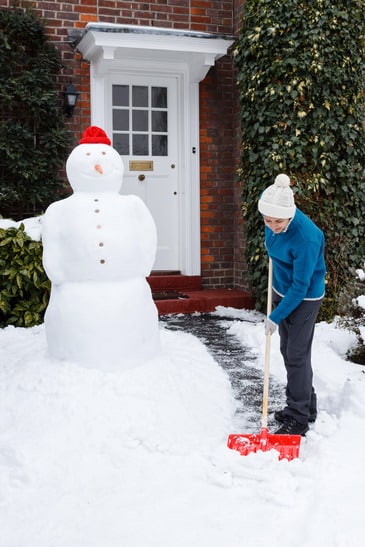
pixel 33 139
pixel 24 286
pixel 300 68
pixel 352 312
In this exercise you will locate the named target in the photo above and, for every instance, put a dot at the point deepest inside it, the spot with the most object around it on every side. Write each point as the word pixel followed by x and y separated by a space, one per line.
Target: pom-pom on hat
pixel 277 201
pixel 94 135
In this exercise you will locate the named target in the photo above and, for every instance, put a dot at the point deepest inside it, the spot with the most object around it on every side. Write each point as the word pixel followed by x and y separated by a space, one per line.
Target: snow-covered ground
pixel 139 458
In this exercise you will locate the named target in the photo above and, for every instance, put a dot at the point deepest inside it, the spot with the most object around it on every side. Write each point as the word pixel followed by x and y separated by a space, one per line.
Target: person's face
pixel 277 225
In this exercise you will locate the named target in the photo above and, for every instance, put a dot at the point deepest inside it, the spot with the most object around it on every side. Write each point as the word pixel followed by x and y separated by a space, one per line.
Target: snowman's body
pixel 99 246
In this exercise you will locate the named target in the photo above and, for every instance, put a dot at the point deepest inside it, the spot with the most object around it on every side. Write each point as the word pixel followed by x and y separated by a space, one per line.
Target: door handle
pixel 141 178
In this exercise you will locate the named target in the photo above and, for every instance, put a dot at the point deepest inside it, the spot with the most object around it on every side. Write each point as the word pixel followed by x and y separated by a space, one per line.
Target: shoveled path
pixel 236 360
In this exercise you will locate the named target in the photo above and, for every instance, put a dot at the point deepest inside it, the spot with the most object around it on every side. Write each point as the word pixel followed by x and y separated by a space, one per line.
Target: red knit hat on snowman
pixel 94 135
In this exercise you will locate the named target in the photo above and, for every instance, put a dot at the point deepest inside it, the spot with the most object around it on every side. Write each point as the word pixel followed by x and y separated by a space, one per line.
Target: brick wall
pixel 217 175
pixel 222 233
pixel 222 240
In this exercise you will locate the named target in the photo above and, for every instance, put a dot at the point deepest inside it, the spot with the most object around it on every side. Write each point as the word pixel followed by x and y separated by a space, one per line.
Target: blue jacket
pixel 298 264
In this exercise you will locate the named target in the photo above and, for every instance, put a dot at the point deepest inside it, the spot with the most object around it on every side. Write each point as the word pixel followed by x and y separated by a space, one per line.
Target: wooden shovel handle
pixel 265 396
pixel 269 289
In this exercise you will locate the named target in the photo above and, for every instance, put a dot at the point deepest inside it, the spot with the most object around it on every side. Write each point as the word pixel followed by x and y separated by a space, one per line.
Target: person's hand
pixel 270 326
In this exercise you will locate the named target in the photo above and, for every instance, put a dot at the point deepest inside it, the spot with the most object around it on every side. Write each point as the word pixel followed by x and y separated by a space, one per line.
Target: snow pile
pixel 139 459
pixel 32 226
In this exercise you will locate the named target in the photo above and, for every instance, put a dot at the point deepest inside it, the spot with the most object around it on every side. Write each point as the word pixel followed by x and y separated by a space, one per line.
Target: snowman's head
pixel 94 165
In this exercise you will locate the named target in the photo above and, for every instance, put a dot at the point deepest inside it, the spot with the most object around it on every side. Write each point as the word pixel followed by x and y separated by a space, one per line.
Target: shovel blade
pixel 287 445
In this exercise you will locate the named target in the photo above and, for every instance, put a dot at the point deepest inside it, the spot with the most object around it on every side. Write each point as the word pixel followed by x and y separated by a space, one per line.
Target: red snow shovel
pixel 286 445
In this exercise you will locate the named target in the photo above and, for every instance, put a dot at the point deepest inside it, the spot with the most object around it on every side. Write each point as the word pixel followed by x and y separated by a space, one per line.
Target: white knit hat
pixel 277 201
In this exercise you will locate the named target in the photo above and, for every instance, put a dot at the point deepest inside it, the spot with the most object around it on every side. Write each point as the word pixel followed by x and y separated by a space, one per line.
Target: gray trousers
pixel 296 336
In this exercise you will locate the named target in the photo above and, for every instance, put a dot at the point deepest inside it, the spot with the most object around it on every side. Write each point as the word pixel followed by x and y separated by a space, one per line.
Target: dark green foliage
pixel 353 315
pixel 33 139
pixel 24 286
pixel 301 83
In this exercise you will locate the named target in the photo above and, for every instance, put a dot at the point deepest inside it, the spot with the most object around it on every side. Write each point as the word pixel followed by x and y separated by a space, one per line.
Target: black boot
pixel 281 417
pixel 292 427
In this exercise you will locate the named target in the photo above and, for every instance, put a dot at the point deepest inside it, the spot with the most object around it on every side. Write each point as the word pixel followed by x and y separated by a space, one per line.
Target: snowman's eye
pixel 103 153
pixel 88 153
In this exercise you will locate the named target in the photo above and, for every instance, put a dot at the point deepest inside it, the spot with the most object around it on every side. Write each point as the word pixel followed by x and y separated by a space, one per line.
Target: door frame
pixel 185 55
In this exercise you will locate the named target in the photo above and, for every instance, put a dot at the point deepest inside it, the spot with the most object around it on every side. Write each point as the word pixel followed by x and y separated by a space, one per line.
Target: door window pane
pixel 159 121
pixel 140 145
pixel 120 120
pixel 139 95
pixel 159 97
pixel 159 145
pixel 120 95
pixel 140 120
pixel 121 144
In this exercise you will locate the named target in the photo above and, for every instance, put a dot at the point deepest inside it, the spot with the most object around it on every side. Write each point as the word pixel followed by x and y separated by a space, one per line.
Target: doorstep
pixel 178 293
pixel 174 281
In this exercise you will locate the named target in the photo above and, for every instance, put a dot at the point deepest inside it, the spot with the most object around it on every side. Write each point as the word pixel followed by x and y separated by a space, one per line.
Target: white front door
pixel 143 124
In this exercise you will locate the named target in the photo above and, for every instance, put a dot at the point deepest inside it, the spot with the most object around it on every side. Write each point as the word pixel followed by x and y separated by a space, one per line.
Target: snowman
pixel 98 248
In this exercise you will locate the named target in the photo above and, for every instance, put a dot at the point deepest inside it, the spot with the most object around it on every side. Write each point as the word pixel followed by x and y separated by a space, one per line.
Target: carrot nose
pixel 99 168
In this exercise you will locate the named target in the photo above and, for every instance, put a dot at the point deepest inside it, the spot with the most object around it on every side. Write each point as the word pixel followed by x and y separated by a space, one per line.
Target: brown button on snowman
pixel 98 248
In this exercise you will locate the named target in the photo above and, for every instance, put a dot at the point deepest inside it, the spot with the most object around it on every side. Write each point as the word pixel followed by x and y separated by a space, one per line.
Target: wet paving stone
pixel 238 362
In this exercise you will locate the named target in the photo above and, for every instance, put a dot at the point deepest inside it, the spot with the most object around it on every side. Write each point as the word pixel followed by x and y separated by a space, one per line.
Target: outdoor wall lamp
pixel 70 96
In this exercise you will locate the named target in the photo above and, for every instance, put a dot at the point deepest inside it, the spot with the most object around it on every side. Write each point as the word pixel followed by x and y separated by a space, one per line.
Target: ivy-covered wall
pixel 301 85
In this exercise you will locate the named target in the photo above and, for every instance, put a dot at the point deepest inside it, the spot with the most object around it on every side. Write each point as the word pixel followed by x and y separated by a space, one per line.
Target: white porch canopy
pixel 102 42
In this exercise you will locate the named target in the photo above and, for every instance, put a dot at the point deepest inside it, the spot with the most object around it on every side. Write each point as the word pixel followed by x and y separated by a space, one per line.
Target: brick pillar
pixel 217 175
